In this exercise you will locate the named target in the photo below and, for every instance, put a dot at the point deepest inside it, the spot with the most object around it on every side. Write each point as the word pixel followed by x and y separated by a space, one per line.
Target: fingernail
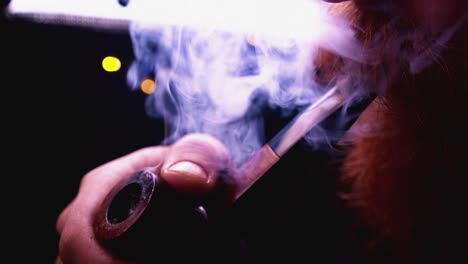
pixel 187 167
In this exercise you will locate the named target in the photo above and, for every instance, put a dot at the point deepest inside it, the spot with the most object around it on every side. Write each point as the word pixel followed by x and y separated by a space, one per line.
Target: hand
pixel 192 165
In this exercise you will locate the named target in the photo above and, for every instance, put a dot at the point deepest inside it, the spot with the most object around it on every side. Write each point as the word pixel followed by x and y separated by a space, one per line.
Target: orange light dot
pixel 148 86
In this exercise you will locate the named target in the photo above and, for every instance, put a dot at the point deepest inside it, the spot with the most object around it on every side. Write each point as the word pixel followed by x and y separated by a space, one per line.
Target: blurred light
pixel 251 40
pixel 265 17
pixel 147 86
pixel 111 64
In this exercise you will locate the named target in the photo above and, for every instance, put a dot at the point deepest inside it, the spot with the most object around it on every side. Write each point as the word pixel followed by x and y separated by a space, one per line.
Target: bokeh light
pixel 147 86
pixel 251 40
pixel 111 64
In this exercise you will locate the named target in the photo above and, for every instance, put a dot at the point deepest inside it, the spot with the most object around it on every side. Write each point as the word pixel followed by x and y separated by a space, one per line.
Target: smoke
pixel 217 71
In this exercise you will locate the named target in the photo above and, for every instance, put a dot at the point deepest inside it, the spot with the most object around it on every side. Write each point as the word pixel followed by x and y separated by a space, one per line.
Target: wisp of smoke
pixel 217 67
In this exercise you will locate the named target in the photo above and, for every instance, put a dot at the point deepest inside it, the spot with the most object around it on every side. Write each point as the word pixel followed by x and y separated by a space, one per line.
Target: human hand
pixel 192 166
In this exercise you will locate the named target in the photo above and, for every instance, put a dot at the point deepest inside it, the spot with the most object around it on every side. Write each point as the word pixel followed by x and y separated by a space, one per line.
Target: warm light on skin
pixel 111 64
pixel 147 86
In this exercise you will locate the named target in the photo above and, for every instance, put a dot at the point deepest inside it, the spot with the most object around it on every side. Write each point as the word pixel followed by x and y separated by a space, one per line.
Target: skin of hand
pixel 192 165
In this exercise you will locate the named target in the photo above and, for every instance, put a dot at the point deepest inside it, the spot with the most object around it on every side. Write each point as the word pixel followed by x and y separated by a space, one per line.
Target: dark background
pixel 63 115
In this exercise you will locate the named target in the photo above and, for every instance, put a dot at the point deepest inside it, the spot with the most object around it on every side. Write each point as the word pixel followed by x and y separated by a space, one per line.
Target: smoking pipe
pixel 144 205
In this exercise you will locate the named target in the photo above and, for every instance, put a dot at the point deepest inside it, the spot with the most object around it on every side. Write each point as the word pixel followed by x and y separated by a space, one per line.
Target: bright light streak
pixel 290 18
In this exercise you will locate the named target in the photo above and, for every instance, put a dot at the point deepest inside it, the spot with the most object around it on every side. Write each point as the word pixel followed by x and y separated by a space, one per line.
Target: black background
pixel 63 116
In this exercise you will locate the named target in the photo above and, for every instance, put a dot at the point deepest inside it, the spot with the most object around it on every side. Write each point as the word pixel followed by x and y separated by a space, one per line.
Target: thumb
pixel 195 164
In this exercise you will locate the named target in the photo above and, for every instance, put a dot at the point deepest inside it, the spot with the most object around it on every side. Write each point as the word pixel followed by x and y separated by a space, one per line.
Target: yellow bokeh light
pixel 147 86
pixel 111 64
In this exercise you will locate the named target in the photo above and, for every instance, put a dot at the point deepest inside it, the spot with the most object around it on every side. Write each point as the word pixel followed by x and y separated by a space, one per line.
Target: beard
pixel 405 169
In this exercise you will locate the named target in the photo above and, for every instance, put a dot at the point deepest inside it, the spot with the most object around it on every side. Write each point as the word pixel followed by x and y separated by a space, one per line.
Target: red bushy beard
pixel 406 161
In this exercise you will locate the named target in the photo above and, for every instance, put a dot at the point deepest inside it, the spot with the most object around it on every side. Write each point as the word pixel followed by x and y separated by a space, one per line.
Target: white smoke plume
pixel 218 63
pixel 216 69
